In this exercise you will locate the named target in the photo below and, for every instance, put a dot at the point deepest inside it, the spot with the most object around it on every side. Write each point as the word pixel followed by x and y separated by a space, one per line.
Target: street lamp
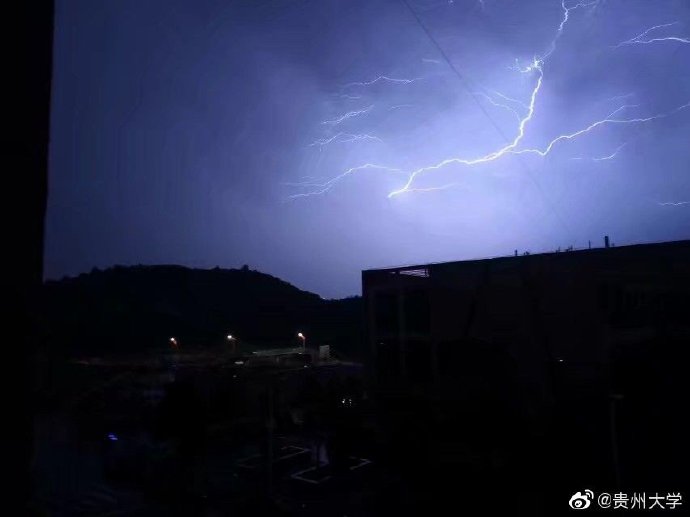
pixel 303 338
pixel 173 343
pixel 232 339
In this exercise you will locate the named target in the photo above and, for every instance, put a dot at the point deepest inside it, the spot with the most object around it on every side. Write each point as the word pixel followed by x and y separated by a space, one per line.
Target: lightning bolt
pixel 381 78
pixel 491 101
pixel 510 148
pixel 677 203
pixel 434 189
pixel 612 155
pixel 524 113
pixel 537 66
pixel 516 101
pixel 598 123
pixel 639 39
pixel 621 108
pixel 604 158
pixel 344 137
pixel 322 188
pixel 349 114
pixel 619 97
pixel 564 20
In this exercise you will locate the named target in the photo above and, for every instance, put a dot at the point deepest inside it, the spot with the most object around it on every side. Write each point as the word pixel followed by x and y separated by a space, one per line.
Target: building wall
pixel 426 325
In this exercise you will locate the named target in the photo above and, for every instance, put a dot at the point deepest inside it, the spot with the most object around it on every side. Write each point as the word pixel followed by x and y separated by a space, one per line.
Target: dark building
pixel 571 348
pixel 564 307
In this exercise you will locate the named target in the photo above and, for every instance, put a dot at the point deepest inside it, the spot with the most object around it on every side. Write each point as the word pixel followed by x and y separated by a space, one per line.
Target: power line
pixel 462 78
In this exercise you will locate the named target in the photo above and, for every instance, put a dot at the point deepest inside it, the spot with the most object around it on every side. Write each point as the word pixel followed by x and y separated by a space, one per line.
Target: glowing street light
pixel 232 339
pixel 173 342
pixel 303 338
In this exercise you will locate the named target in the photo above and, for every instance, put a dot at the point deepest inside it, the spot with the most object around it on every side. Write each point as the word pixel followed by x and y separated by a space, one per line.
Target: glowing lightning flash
pixel 640 38
pixel 536 65
pixel 594 125
pixel 515 101
pixel 524 112
pixel 677 203
pixel 325 187
pixel 381 78
pixel 607 157
pixel 564 20
pixel 344 137
pixel 349 114
pixel 493 102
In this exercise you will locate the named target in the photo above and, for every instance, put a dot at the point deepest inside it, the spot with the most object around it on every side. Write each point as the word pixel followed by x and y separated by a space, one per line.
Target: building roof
pixel 421 270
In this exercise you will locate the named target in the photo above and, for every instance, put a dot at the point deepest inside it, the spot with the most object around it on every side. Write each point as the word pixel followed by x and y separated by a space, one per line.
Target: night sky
pixel 313 139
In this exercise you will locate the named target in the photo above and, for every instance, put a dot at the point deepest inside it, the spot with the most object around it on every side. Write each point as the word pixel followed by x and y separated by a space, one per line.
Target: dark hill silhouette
pixel 129 309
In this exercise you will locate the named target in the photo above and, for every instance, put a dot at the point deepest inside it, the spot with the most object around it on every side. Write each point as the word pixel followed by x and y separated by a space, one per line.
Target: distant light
pixel 239 362
pixel 230 338
pixel 560 360
pixel 300 335
pixel 112 437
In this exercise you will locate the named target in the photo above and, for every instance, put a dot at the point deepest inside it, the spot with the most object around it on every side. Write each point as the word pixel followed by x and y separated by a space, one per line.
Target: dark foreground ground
pixel 113 441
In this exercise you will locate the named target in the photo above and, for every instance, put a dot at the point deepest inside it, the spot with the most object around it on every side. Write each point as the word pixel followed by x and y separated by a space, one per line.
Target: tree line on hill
pixel 138 308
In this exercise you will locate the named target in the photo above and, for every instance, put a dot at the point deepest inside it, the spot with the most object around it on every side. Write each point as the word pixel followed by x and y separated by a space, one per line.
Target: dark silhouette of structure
pixel 541 365
pixel 23 216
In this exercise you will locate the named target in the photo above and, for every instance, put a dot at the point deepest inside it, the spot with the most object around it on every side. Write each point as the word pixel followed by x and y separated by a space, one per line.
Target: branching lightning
pixel 524 112
pixel 564 20
pixel 612 155
pixel 677 203
pixel 536 64
pixel 381 78
pixel 322 188
pixel 493 102
pixel 619 97
pixel 505 97
pixel 641 39
pixel 604 158
pixel 344 137
pixel 546 150
pixel 434 189
pixel 349 114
